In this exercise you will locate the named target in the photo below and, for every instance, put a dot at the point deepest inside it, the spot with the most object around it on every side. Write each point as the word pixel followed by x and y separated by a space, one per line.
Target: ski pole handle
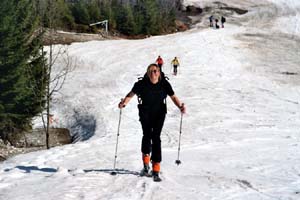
pixel 182 108
pixel 180 123
pixel 121 104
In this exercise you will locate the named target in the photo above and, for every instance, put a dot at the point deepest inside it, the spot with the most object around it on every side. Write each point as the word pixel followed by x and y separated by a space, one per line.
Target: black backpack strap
pixel 163 80
pixel 139 98
pixel 144 79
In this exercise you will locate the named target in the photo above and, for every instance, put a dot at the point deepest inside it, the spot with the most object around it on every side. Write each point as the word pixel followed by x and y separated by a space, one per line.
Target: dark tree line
pixel 131 17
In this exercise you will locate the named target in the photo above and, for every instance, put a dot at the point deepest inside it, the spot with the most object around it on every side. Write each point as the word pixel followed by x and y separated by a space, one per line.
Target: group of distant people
pixel 213 22
pixel 175 62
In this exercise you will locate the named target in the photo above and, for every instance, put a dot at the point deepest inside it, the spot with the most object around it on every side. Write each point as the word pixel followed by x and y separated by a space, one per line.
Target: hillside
pixel 240 135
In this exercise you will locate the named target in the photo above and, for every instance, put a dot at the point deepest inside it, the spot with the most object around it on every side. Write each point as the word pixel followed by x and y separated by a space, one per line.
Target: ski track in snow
pixel 240 136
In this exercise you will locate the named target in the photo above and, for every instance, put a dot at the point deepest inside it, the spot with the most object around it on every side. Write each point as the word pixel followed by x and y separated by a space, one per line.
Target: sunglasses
pixel 154 71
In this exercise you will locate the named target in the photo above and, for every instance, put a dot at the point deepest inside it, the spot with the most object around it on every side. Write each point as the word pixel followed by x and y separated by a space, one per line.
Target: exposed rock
pixel 237 10
pixel 181 26
pixel 2 158
pixel 24 142
pixel 192 10
pixel 7 151
pixel 37 138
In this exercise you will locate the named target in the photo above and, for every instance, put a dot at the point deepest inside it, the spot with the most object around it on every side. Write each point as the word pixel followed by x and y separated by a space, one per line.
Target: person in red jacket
pixel 159 62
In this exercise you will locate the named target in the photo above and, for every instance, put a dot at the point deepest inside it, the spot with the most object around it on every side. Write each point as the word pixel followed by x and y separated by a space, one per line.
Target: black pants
pixel 160 67
pixel 175 69
pixel 152 125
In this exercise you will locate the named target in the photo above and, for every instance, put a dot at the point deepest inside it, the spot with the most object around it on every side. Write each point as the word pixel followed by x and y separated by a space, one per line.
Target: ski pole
pixel 116 151
pixel 178 162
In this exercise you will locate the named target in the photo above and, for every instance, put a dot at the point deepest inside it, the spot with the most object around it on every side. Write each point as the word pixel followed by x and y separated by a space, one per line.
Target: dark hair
pixel 148 69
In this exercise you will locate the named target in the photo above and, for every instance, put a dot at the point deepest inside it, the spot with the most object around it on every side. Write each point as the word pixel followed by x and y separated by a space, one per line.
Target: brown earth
pixel 24 142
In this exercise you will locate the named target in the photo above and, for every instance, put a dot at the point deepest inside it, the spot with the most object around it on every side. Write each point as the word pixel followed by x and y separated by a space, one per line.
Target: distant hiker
pixel 175 64
pixel 211 18
pixel 216 24
pixel 152 92
pixel 223 20
pixel 159 61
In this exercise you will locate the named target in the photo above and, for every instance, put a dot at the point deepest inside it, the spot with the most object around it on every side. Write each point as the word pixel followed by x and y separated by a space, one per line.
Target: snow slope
pixel 240 137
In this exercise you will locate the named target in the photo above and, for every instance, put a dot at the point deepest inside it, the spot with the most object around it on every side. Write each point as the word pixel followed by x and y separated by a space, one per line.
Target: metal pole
pixel 106 26
pixel 116 151
pixel 178 161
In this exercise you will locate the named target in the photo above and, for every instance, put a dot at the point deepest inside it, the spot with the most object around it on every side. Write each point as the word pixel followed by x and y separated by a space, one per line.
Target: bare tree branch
pixel 55 80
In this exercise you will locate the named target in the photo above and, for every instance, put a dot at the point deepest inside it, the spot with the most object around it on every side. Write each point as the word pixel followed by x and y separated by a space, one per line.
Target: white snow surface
pixel 240 135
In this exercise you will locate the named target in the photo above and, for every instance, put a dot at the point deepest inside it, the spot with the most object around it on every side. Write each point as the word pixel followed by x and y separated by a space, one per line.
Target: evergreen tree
pixel 150 11
pixel 142 17
pixel 21 65
pixel 139 17
pixel 80 13
pixel 171 17
pixel 132 28
pixel 64 15
pixel 108 13
pixel 125 20
pixel 94 11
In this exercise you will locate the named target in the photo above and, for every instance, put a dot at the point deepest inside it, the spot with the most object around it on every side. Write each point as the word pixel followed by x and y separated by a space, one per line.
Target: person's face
pixel 154 74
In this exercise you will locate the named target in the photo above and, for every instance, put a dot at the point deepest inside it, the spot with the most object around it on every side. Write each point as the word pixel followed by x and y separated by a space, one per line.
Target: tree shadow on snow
pixel 29 169
pixel 116 171
pixel 83 127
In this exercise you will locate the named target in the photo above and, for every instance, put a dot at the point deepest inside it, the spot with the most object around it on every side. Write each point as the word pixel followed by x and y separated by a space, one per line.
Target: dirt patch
pixel 35 140
pixel 236 10
pixel 60 37
pixel 7 150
